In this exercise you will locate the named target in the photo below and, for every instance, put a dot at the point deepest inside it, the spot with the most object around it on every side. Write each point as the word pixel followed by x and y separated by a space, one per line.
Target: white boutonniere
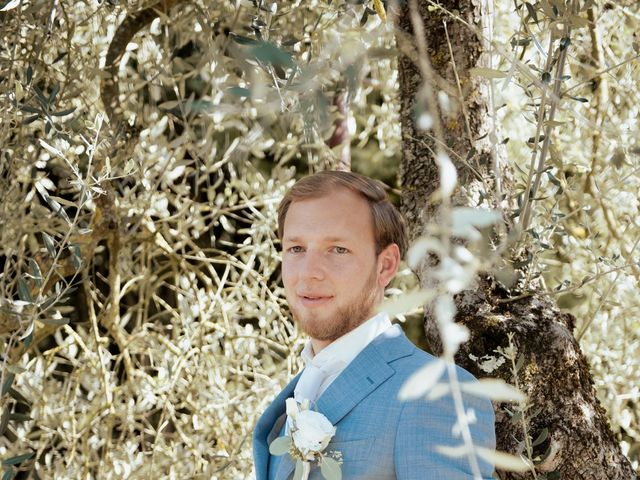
pixel 309 434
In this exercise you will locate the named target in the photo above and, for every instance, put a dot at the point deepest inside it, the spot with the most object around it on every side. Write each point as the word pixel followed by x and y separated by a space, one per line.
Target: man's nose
pixel 313 266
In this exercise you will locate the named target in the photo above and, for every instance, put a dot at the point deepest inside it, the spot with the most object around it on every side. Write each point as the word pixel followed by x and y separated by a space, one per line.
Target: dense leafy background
pixel 143 321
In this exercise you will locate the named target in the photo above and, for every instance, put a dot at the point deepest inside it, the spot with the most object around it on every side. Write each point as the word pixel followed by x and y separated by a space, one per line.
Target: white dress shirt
pixel 325 367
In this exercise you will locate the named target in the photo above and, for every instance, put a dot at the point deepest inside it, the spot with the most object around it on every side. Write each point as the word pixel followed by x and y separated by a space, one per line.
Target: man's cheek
pixel 286 282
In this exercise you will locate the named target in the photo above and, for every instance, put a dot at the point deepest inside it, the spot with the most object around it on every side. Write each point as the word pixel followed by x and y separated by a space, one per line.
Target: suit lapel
pixel 361 377
pixel 364 374
pixel 264 427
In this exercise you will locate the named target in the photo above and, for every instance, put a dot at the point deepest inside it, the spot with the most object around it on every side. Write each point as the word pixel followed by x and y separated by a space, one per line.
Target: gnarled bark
pixel 555 374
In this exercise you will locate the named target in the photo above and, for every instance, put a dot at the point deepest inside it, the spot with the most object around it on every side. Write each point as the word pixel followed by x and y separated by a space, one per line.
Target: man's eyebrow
pixel 291 239
pixel 336 239
pixel 327 239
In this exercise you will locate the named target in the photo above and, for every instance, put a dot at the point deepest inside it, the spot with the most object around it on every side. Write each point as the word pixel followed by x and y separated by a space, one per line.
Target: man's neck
pixel 318 345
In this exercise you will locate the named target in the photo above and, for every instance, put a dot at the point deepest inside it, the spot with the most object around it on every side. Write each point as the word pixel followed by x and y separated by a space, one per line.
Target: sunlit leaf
pixel 406 302
pixel 454 452
pixel 76 256
pixel 421 381
pixel 453 335
pixel 35 271
pixel 504 461
pixel 420 248
pixel 439 390
pixel 27 332
pixel 477 217
pixel 10 5
pixel 493 388
pixel 448 174
pixel 51 149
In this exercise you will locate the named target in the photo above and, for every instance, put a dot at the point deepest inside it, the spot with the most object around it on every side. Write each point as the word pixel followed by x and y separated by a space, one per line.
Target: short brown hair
pixel 388 225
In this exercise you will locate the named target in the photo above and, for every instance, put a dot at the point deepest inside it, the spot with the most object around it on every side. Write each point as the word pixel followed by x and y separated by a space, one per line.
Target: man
pixel 341 246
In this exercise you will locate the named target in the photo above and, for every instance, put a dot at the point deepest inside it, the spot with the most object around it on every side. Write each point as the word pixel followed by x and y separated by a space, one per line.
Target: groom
pixel 341 246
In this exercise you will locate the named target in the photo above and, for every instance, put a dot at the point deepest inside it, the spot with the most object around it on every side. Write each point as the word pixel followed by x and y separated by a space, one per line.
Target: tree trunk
pixel 555 374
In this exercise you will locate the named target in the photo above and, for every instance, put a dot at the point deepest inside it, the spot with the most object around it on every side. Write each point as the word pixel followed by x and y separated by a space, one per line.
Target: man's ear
pixel 388 263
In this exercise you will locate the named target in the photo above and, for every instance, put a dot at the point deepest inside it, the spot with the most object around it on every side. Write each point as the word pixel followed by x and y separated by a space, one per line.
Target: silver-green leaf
pixel 24 291
pixel 330 469
pixel 35 271
pixel 48 242
pixel 297 474
pixel 280 446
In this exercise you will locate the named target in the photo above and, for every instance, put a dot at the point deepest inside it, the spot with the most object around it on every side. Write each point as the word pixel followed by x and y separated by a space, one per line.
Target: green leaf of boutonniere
pixel 297 474
pixel 330 469
pixel 280 446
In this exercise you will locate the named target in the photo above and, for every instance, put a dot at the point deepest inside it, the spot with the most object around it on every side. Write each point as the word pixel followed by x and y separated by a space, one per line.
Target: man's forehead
pixel 340 216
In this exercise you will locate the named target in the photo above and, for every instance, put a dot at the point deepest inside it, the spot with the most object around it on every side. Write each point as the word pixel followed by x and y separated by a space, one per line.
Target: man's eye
pixel 341 250
pixel 295 249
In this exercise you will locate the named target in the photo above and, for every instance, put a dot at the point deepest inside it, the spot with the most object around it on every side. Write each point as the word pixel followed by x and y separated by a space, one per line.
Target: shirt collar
pixel 347 347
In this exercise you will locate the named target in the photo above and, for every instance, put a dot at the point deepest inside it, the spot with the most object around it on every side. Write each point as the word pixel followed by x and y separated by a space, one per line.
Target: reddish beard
pixel 345 319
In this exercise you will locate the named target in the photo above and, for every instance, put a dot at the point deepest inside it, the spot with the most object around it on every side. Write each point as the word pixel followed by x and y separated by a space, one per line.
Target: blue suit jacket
pixel 379 436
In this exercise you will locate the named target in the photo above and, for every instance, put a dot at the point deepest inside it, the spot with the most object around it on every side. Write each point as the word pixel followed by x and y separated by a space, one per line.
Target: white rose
pixel 312 432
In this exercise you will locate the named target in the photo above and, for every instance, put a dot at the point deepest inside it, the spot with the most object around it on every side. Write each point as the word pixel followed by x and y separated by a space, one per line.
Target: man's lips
pixel 311 299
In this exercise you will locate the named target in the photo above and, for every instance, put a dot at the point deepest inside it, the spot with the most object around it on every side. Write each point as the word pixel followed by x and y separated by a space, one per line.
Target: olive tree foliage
pixel 142 318
pixel 562 427
pixel 583 227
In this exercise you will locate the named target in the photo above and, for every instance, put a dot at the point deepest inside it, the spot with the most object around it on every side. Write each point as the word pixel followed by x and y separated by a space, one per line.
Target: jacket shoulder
pixel 404 356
